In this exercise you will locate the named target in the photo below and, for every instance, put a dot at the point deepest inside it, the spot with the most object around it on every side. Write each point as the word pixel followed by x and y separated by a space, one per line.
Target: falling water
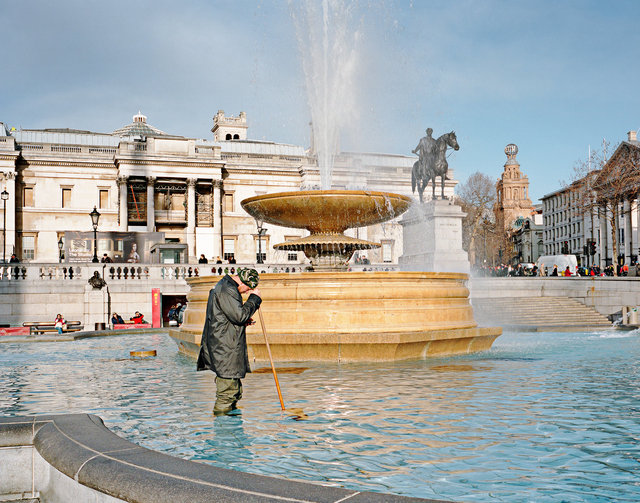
pixel 327 39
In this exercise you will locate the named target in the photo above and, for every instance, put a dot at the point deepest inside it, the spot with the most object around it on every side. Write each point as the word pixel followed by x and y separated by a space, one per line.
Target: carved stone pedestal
pixel 95 307
pixel 432 238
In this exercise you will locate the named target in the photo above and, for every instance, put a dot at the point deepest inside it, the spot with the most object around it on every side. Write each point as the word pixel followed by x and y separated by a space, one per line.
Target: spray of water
pixel 328 45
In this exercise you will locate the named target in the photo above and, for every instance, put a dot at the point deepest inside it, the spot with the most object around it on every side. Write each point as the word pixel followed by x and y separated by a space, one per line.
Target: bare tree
pixel 476 196
pixel 617 181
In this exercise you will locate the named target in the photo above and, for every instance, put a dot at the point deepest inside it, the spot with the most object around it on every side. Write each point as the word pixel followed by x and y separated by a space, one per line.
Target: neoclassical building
pixel 170 198
pixel 512 191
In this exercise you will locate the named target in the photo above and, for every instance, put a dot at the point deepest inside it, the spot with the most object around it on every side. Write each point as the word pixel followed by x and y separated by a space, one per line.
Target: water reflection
pixel 539 418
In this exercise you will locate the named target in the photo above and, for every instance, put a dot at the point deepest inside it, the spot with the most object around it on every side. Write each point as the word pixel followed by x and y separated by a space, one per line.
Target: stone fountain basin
pixel 326 211
pixel 351 316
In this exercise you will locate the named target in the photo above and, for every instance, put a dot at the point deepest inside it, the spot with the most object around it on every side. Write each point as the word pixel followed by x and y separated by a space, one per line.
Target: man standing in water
pixel 223 349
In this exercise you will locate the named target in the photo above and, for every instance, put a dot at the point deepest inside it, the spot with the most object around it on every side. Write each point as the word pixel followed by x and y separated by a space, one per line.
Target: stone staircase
pixel 538 314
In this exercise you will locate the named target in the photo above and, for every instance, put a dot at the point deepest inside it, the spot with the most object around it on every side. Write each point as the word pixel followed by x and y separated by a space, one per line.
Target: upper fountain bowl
pixel 326 211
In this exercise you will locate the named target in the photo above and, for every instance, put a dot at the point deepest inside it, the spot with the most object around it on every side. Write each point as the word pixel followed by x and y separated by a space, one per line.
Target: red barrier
pixel 156 308
pixel 126 326
pixel 14 331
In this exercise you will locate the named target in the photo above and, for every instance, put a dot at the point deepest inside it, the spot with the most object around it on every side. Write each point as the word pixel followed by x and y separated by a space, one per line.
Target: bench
pixel 41 327
pixel 125 326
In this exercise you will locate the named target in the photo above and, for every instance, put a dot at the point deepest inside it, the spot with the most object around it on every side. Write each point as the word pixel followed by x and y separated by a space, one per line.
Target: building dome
pixel 139 127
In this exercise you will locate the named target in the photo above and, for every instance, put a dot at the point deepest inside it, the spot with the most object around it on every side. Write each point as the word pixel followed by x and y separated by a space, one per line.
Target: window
pixel 28 247
pixel 228 203
pixel 228 136
pixel 27 197
pixel 137 202
pixel 292 256
pixel 66 198
pixel 229 248
pixel 103 198
pixel 387 251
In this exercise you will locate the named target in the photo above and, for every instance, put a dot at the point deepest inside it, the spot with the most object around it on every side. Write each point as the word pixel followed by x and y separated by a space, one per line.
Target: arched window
pixel 236 136
pixel 228 137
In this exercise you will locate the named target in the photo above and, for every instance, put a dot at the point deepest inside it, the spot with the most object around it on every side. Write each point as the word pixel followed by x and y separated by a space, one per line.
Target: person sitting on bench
pixel 138 318
pixel 116 319
pixel 60 324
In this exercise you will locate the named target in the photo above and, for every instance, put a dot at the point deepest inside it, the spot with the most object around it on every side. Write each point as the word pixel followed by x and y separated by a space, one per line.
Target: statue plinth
pixel 432 238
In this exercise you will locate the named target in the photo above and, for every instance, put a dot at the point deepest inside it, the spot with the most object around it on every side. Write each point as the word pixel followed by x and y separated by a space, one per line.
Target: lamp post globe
pixel 95 217
pixel 5 196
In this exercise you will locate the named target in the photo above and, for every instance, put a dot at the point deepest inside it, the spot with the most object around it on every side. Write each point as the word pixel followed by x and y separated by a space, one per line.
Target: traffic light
pixel 565 248
pixel 592 247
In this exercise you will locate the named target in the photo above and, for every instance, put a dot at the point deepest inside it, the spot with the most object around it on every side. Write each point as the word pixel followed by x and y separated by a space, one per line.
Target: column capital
pixel 151 180
pixel 191 182
pixel 122 179
pixel 8 175
pixel 217 184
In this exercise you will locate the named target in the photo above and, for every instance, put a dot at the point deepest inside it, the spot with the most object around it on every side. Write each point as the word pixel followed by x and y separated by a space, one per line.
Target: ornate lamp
pixel 261 232
pixel 60 247
pixel 95 217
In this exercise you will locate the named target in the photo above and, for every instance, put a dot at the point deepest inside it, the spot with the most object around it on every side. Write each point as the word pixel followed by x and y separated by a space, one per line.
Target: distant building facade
pixel 527 237
pixel 572 227
pixel 144 181
pixel 512 192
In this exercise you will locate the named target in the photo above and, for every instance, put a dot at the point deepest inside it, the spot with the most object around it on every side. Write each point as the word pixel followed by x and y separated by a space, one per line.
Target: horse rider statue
pixel 432 161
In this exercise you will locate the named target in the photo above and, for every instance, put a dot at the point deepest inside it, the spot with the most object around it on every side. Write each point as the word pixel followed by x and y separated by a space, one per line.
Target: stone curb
pixel 84 449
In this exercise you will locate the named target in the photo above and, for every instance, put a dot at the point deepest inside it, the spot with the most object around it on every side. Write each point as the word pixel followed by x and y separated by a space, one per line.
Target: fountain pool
pixel 544 417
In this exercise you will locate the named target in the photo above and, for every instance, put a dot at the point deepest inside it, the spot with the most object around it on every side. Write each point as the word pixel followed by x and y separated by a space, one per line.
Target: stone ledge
pixel 84 449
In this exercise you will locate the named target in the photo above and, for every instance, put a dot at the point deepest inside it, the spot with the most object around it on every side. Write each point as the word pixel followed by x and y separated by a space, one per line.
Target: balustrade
pixel 114 272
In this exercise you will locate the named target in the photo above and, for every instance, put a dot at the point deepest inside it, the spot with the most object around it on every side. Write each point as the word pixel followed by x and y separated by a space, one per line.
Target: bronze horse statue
pixel 432 164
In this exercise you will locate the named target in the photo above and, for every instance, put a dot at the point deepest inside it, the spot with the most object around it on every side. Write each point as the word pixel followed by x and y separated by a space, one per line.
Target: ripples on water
pixel 540 417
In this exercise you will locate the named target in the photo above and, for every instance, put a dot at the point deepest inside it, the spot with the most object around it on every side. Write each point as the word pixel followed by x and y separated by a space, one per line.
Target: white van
pixel 546 263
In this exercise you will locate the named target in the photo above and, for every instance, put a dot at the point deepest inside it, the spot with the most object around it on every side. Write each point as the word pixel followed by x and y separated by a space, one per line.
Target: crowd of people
pixel 176 314
pixel 504 270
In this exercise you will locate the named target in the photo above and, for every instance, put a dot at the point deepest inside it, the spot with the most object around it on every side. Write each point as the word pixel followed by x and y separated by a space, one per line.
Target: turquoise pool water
pixel 540 417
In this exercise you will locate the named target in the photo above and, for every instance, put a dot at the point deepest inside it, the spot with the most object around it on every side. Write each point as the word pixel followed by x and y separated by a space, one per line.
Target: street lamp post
pixel 5 196
pixel 60 246
pixel 95 217
pixel 261 232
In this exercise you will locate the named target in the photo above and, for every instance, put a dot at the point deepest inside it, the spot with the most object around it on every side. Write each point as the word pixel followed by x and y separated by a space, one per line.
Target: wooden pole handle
pixel 273 368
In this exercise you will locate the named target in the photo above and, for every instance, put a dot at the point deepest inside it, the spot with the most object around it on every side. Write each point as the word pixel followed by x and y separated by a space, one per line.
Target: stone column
pixel 191 218
pixel 602 221
pixel 10 232
pixel 123 215
pixel 628 231
pixel 217 218
pixel 151 208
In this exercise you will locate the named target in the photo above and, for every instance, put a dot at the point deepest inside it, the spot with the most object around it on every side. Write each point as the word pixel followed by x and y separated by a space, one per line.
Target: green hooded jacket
pixel 224 338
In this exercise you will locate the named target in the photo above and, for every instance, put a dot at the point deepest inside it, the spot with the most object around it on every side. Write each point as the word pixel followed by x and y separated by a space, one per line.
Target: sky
pixel 555 78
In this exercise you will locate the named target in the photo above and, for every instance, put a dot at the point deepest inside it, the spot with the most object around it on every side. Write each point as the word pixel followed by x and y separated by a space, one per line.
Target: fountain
pixel 326 214
pixel 331 314
pixel 334 315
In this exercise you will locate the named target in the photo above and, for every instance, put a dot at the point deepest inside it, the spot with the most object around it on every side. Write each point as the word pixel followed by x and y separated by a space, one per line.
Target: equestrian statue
pixel 432 161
